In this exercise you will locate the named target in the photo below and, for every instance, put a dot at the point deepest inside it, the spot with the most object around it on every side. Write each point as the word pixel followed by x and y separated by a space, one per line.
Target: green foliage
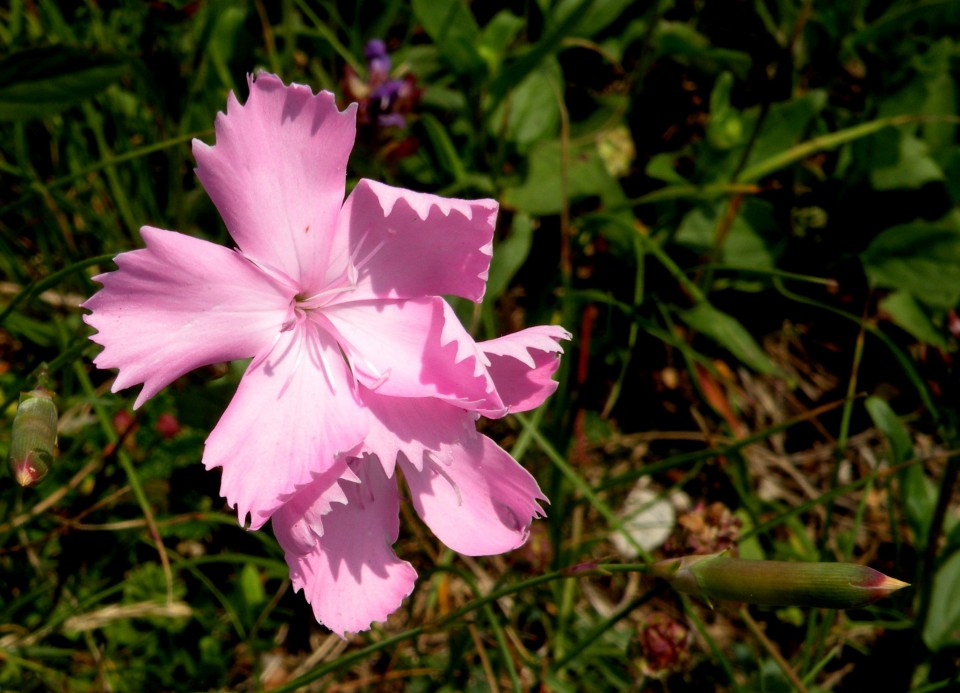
pixel 744 212
pixel 921 259
pixel 44 81
pixel 943 628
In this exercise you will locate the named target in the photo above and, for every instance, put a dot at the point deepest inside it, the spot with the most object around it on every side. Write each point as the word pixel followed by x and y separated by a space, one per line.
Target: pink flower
pixel 358 366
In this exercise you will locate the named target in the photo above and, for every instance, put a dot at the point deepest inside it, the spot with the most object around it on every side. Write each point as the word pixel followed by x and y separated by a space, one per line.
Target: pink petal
pixel 414 348
pixel 301 518
pixel 482 503
pixel 413 427
pixel 352 576
pixel 522 364
pixel 292 416
pixel 277 174
pixel 409 244
pixel 179 304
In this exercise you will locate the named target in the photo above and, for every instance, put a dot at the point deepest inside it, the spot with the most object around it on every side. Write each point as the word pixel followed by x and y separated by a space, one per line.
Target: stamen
pixel 369 256
pixel 266 352
pixel 272 272
pixel 319 358
pixel 296 364
pixel 428 457
pixel 325 367
pixel 358 364
pixel 321 298
pixel 353 270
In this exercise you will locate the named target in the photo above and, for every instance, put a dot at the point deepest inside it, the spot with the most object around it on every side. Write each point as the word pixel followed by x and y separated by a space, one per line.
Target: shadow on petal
pixel 351 575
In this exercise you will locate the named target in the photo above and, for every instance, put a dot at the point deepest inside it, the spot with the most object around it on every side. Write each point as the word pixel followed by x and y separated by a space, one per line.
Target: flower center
pixel 345 283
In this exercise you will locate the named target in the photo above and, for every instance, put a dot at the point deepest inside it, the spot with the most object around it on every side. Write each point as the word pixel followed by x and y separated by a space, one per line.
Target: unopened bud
pixel 33 443
pixel 777 583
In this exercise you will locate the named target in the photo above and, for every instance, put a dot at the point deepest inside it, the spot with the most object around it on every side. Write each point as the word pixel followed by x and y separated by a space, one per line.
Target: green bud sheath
pixel 34 440
pixel 777 583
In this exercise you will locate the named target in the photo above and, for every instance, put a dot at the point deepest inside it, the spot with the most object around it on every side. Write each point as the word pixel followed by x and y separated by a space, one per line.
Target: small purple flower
pixel 382 101
pixel 378 61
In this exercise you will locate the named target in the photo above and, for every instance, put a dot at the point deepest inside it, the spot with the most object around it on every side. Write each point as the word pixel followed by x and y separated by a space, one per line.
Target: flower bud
pixel 33 443
pixel 777 583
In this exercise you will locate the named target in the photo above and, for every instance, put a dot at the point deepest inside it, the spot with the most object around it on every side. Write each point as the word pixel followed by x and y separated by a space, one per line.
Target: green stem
pixel 132 477
pixel 580 485
pixel 120 198
pixel 844 434
pixel 455 615
pixel 40 285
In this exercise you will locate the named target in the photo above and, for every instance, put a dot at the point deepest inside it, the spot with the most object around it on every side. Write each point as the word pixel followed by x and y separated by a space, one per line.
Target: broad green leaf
pixel 912 167
pixel 909 315
pixel 541 193
pixel 744 244
pixel 725 126
pixel 497 36
pixel 785 125
pixel 682 42
pixel 780 136
pixel 451 25
pixel 41 82
pixel 616 44
pixel 515 72
pixel 531 112
pixel 951 172
pixel 802 150
pixel 941 98
pixel 943 624
pixel 891 427
pixel 727 331
pixel 919 258
pixel 509 255
pixel 662 167
pixel 595 16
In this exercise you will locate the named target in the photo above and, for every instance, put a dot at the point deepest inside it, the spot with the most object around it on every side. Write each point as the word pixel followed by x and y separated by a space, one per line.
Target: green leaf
pixel 591 19
pixel 891 427
pixel 785 125
pixel 41 82
pixel 764 166
pixel 509 255
pixel 919 258
pixel 743 246
pixel 452 27
pixel 909 315
pixel 530 112
pixel 497 36
pixel 919 502
pixel 663 167
pixel 912 168
pixel 448 160
pixel 514 73
pixel 251 588
pixel 919 494
pixel 941 97
pixel 226 34
pixel 725 126
pixel 542 191
pixel 943 625
pixel 727 331
pixel 682 42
